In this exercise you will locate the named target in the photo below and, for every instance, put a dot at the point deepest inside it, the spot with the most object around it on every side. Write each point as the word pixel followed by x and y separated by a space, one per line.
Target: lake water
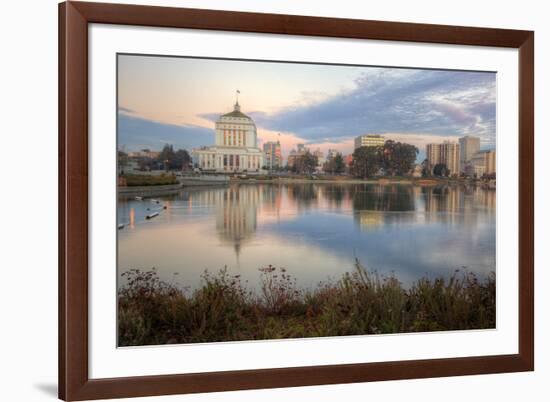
pixel 314 231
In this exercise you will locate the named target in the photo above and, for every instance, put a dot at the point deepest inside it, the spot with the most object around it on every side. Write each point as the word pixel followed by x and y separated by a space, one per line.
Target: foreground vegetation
pixel 152 312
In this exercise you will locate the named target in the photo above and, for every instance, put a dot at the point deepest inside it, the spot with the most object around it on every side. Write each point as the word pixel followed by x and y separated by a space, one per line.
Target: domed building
pixel 236 145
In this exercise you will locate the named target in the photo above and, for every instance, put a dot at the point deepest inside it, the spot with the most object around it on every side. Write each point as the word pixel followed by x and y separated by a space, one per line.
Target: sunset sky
pixel 169 100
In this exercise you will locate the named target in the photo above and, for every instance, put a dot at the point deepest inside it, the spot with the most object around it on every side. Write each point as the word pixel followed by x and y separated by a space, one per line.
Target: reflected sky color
pixel 315 231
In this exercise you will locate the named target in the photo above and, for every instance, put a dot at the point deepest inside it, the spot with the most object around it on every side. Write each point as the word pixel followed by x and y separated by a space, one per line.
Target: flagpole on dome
pixel 237 106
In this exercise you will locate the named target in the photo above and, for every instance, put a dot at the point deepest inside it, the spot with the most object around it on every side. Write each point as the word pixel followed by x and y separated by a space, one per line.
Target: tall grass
pixel 152 312
pixel 134 180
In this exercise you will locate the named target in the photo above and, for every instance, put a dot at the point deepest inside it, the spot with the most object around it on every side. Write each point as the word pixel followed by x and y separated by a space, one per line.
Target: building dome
pixel 236 129
pixel 236 113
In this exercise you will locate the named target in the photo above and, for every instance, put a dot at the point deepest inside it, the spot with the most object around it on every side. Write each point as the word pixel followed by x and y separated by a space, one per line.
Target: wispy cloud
pixel 442 103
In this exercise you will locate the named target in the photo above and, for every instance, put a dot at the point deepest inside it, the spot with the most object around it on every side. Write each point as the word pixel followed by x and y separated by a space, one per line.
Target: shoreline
pixel 158 190
pixel 380 181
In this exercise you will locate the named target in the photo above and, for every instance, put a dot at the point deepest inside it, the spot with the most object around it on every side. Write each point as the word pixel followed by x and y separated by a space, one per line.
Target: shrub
pixel 151 311
pixel 150 180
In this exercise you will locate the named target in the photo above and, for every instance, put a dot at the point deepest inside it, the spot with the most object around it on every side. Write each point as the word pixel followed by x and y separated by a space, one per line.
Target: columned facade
pixel 236 146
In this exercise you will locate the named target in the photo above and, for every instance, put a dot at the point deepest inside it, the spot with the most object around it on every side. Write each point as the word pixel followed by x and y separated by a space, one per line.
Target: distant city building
pixel 469 146
pixel 273 155
pixel 483 163
pixel 320 158
pixel 236 145
pixel 447 153
pixel 300 150
pixel 331 153
pixel 295 153
pixel 144 153
pixel 369 140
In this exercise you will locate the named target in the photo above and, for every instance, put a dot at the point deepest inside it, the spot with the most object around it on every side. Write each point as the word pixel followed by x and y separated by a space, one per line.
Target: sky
pixel 174 100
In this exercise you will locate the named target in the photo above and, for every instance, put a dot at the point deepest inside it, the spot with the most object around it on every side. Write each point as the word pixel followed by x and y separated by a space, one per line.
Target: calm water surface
pixel 315 231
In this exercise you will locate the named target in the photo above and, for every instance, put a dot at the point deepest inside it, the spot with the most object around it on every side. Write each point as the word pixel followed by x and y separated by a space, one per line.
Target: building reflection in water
pixel 374 206
pixel 132 218
pixel 458 204
pixel 238 208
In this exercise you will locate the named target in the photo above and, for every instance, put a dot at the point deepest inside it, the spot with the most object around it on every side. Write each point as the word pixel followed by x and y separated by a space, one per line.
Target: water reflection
pixel 313 230
pixel 236 214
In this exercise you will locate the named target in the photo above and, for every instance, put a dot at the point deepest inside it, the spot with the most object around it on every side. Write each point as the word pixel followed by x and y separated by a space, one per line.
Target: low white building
pixel 236 146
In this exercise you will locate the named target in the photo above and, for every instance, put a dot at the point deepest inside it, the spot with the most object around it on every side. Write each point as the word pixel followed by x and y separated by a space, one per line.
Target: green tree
pixel 366 161
pixel 181 160
pixel 399 157
pixel 174 160
pixel 441 170
pixel 305 163
pixel 166 156
pixel 339 164
pixel 425 168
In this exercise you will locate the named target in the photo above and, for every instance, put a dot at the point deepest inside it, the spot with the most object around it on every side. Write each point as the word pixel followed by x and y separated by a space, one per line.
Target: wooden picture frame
pixel 74 381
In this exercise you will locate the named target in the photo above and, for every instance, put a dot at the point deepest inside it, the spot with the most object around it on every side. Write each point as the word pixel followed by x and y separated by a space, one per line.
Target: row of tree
pixel 175 160
pixel 168 159
pixel 394 159
pixel 335 165
pixel 307 163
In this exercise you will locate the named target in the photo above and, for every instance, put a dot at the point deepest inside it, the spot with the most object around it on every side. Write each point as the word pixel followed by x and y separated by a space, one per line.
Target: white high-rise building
pixel 236 145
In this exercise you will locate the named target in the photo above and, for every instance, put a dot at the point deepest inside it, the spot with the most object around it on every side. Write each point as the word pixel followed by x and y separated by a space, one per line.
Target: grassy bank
pixel 137 180
pixel 151 311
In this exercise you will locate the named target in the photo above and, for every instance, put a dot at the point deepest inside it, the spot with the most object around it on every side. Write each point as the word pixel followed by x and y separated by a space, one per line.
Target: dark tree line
pixel 168 159
pixel 335 165
pixel 174 160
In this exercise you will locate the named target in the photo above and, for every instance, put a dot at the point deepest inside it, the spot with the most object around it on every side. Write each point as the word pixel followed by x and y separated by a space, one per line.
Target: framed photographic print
pixel 260 200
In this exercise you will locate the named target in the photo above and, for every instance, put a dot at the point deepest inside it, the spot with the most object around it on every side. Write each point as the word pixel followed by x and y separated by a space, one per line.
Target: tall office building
pixel 272 155
pixel 447 153
pixel 469 146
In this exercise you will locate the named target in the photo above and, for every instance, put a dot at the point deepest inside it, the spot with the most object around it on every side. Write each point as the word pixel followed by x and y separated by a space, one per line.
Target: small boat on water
pixel 151 216
pixel 155 200
pixel 137 198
